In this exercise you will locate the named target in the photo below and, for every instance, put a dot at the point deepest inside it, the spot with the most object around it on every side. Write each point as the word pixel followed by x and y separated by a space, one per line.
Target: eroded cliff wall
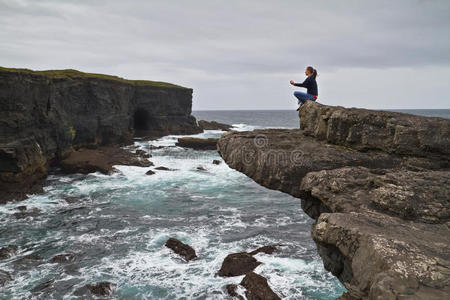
pixel 378 185
pixel 45 115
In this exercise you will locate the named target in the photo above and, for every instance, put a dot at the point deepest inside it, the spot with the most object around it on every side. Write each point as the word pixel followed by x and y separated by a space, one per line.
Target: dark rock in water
pixel 4 277
pixel 238 264
pixel 43 286
pixel 201 169
pixel 213 125
pixel 45 115
pixel 197 143
pixel 32 256
pixel 143 154
pixel 181 249
pixel 150 172
pixel 27 213
pixel 8 251
pixel 217 162
pixel 164 169
pixel 102 160
pixel 21 208
pixel 231 290
pixel 101 288
pixel 266 249
pixel 258 288
pixel 62 258
pixel 376 182
pixel 72 200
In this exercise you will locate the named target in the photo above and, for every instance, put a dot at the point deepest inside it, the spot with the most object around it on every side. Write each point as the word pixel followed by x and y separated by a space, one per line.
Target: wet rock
pixel 197 143
pixel 238 264
pixel 181 249
pixel 150 172
pixel 8 251
pixel 232 291
pixel 45 286
pixel 258 288
pixel 216 162
pixel 27 213
pixel 104 288
pixel 4 277
pixel 143 153
pixel 72 200
pixel 101 160
pixel 21 208
pixel 62 258
pixel 213 125
pixel 164 169
pixel 266 249
pixel 377 185
pixel 201 169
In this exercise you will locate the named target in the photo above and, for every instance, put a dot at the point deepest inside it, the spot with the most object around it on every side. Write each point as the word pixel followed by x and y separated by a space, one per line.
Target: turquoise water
pixel 116 227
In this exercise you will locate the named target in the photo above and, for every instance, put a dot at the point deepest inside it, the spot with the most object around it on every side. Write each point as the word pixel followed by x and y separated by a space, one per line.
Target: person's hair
pixel 312 71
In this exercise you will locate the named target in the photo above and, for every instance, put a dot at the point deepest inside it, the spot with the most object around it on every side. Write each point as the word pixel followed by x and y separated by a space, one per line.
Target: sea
pixel 115 226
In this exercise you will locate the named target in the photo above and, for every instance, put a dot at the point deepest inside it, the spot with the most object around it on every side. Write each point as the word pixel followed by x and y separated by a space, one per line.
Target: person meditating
pixel 311 87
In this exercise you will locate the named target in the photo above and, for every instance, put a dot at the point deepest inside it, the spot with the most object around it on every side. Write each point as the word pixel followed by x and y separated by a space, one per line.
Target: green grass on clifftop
pixel 70 73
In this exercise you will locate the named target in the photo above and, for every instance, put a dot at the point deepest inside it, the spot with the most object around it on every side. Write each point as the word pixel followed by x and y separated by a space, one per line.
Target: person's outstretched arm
pixel 303 84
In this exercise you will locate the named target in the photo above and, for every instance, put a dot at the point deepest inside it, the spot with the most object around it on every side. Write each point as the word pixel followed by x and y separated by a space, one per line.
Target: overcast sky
pixel 242 54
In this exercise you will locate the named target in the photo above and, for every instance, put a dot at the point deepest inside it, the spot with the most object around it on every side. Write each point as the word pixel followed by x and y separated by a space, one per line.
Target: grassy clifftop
pixel 70 73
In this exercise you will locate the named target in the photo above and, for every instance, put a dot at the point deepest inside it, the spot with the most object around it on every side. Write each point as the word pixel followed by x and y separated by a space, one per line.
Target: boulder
pixel 101 160
pixel 216 162
pixel 197 143
pixel 213 125
pixel 238 264
pixel 270 249
pixel 103 288
pixel 164 169
pixel 150 172
pixel 181 249
pixel 258 288
pixel 62 258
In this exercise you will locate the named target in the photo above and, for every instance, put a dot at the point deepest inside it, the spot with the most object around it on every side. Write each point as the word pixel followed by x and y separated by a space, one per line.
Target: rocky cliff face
pixel 377 184
pixel 45 115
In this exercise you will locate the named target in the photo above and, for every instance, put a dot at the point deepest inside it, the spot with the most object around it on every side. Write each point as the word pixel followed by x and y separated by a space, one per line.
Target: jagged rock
pixel 265 249
pixel 104 288
pixel 150 172
pixel 8 251
pixel 4 277
pixel 143 154
pixel 378 184
pixel 231 290
pixel 238 264
pixel 216 162
pixel 45 115
pixel 197 143
pixel 102 160
pixel 258 288
pixel 62 258
pixel 213 125
pixel 181 249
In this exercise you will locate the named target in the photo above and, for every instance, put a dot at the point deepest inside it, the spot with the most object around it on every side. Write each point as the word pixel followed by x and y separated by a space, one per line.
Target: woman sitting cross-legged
pixel 311 87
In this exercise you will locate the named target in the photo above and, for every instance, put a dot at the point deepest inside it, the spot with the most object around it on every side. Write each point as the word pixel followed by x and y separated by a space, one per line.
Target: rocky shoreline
pixel 378 185
pixel 47 115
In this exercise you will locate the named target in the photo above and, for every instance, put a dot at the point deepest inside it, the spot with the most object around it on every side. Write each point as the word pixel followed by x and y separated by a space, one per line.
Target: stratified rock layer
pixel 378 184
pixel 45 115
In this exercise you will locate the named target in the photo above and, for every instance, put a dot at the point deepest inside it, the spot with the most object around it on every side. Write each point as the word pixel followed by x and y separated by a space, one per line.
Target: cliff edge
pixel 378 185
pixel 45 115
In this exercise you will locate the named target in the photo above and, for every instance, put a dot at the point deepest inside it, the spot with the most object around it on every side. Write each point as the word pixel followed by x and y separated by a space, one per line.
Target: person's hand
pixel 292 82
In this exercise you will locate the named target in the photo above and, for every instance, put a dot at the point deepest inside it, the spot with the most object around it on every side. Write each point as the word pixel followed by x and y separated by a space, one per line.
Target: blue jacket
pixel 310 84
